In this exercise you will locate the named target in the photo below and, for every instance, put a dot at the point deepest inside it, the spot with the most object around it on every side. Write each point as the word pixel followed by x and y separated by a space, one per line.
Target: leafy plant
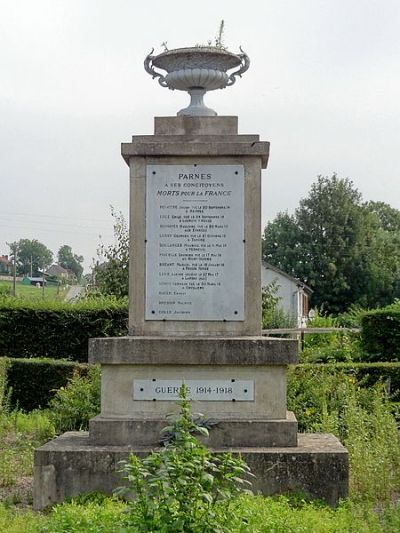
pixel 269 296
pixel 74 405
pixel 272 315
pixel 183 487
pixel 111 275
pixel 332 346
pixel 352 317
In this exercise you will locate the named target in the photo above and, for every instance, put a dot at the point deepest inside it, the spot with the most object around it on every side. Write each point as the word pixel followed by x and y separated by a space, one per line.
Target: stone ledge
pixel 193 351
pixel 227 432
pixel 209 149
pixel 70 465
pixel 196 138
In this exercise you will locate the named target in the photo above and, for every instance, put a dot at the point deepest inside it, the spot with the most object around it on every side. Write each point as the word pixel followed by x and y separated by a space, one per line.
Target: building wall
pixel 291 296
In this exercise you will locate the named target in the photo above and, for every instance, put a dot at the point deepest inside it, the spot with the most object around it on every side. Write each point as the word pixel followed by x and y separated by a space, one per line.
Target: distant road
pixel 73 293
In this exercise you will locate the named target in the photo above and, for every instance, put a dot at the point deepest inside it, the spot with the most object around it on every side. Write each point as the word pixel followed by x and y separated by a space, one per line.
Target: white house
pixel 293 294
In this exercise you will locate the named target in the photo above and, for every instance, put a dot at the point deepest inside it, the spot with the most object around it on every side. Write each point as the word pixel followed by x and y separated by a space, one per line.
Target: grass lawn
pixel 31 292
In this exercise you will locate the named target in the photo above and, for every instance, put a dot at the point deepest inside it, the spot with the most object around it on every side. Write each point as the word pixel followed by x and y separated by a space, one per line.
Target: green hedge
pixel 380 334
pixel 33 382
pixel 58 330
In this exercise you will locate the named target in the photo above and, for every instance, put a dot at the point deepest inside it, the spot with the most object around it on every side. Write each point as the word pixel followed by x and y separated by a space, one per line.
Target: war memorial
pixel 194 308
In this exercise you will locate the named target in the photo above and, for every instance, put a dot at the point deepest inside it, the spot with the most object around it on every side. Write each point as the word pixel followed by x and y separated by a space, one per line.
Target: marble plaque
pixel 195 242
pixel 212 390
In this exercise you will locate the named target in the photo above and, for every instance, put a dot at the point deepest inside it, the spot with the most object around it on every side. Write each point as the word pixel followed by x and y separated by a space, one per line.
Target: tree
pixel 280 243
pixel 389 217
pixel 337 245
pixel 67 259
pixel 32 256
pixel 112 274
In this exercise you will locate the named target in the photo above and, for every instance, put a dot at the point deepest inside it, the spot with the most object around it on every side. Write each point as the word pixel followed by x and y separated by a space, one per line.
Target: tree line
pixel 33 257
pixel 345 249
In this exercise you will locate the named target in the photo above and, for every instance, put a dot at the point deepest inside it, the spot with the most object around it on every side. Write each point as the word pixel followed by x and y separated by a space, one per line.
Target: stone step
pixel 226 432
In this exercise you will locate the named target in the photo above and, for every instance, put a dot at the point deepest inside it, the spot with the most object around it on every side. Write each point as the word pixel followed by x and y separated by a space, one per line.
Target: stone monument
pixel 194 308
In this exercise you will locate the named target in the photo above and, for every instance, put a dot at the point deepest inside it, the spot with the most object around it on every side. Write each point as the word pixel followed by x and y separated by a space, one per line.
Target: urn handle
pixel 148 66
pixel 245 63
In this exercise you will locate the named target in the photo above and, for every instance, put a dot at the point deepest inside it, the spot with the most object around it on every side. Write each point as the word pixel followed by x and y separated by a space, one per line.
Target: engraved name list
pixel 194 242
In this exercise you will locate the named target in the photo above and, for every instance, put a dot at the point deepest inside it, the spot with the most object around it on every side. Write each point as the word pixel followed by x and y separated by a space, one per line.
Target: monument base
pixel 70 465
pixel 225 433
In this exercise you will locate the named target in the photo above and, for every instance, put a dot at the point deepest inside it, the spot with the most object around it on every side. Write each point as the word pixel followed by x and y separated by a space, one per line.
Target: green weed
pixel 37 424
pixel 253 514
pixel 277 515
pixel 20 434
pixel 184 487
pixel 17 521
pixel 362 418
pixel 372 438
pixel 91 517
pixel 9 467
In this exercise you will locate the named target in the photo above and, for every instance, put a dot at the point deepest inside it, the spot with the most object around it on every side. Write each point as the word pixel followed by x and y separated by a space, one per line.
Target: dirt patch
pixel 19 494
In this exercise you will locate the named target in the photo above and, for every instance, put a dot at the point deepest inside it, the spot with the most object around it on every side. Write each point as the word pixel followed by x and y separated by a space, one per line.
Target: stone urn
pixel 197 70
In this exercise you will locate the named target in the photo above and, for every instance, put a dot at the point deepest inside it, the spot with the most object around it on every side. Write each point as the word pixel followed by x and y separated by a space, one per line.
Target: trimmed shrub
pixel 58 330
pixel 380 334
pixel 34 382
pixel 371 373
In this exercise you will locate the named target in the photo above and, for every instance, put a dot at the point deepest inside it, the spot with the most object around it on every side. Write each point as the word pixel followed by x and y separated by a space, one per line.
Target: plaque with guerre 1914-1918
pixel 195 242
pixel 216 390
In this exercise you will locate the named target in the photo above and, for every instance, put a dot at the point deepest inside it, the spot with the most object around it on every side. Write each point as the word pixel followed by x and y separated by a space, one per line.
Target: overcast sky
pixel 323 88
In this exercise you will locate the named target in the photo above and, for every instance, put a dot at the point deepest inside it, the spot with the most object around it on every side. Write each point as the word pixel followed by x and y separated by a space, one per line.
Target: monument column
pixel 195 218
